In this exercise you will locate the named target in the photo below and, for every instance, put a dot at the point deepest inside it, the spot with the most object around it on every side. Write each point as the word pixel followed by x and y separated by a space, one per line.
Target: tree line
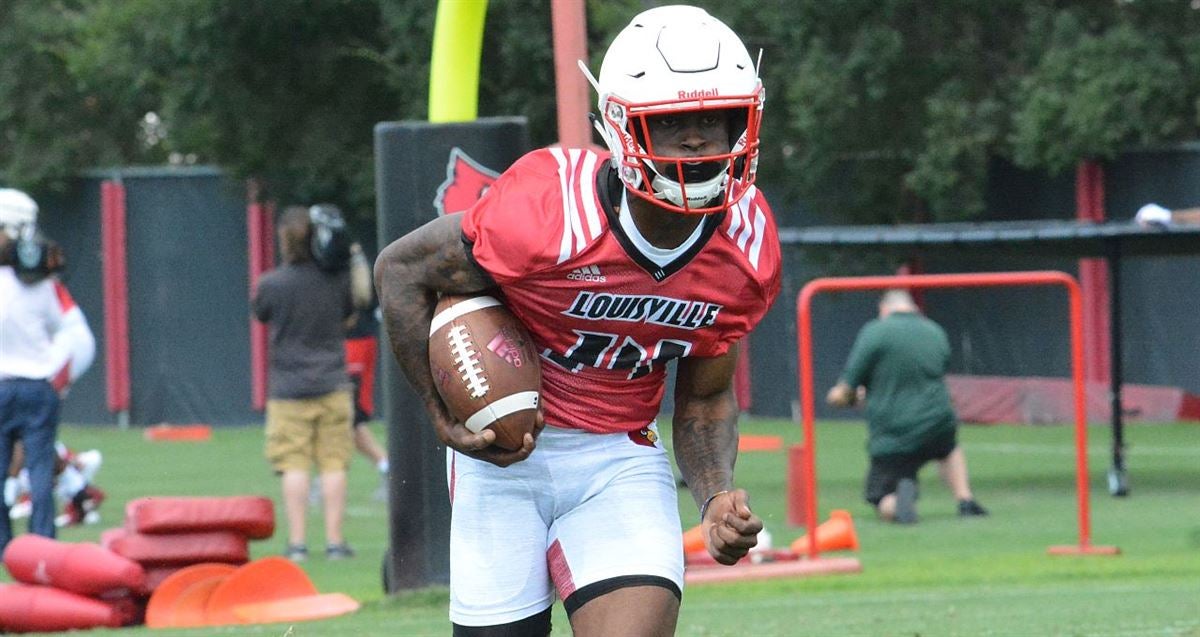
pixel 879 111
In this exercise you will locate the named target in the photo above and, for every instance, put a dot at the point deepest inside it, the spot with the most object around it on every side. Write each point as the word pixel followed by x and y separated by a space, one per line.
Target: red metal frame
pixel 925 281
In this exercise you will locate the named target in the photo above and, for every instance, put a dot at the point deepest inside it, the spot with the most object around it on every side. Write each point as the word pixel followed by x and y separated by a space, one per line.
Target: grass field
pixel 945 576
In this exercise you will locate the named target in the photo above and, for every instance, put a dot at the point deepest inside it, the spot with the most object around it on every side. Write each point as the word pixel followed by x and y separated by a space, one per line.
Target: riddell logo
pixel 587 273
pixel 703 92
pixel 466 182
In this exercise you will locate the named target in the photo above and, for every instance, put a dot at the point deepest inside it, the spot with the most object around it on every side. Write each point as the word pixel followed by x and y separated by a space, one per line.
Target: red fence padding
pixel 251 516
pixel 25 608
pixel 116 298
pixel 83 568
pixel 1039 400
pixel 183 548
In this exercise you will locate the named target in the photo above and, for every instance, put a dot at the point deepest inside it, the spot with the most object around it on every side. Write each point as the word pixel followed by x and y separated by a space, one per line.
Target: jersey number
pixel 595 349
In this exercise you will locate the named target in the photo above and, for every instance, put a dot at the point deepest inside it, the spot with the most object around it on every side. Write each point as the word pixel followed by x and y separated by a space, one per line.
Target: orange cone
pixel 267 579
pixel 835 534
pixel 160 612
pixel 190 608
pixel 693 540
pixel 190 433
pixel 296 609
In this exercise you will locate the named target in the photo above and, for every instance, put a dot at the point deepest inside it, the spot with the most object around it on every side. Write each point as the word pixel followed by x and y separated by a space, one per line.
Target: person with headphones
pixel 45 344
pixel 305 303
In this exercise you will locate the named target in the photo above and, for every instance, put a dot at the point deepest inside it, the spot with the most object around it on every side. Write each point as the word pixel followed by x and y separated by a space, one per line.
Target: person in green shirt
pixel 898 363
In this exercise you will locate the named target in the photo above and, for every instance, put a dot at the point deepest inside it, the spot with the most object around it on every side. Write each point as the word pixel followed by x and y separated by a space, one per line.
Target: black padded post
pixel 415 171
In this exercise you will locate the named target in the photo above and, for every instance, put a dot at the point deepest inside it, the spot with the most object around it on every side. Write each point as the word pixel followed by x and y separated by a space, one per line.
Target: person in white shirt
pixel 1153 214
pixel 45 343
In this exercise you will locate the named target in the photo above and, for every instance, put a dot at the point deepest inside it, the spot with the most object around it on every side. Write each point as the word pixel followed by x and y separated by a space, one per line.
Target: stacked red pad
pixel 65 586
pixel 251 516
pixel 166 534
pixel 178 549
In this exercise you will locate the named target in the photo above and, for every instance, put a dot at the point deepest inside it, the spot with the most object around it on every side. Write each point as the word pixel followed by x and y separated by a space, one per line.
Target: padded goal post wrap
pixel 424 170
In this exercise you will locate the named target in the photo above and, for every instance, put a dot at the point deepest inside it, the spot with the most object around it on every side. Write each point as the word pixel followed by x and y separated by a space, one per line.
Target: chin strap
pixel 699 193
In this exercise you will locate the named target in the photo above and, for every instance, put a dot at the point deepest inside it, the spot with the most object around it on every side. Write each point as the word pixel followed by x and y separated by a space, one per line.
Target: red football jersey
pixel 606 319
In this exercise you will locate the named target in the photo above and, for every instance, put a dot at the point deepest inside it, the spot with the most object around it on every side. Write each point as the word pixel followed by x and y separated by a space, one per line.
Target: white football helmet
pixel 679 59
pixel 16 209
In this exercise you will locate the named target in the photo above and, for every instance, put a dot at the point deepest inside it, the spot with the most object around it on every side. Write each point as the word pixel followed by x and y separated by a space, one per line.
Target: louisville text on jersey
pixel 659 310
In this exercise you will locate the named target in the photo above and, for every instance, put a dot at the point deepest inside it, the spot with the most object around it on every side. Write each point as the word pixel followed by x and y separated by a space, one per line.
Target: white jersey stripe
pixel 510 404
pixel 760 223
pixel 743 210
pixel 587 193
pixel 459 309
pixel 564 248
pixel 576 222
pixel 735 219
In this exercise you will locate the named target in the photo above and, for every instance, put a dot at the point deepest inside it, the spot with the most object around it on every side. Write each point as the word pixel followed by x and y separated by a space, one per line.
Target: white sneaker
pixel 20 510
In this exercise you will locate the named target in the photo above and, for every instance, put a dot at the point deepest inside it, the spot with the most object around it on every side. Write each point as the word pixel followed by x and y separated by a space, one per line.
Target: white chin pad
pixel 699 193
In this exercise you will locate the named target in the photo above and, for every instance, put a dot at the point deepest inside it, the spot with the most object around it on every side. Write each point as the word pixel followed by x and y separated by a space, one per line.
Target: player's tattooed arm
pixel 409 275
pixel 705 436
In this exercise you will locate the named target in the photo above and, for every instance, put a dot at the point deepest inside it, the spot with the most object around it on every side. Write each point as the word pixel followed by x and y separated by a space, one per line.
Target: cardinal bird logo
pixel 466 181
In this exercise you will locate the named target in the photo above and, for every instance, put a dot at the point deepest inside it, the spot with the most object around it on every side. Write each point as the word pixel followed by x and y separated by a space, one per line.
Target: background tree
pixel 894 109
pixel 877 110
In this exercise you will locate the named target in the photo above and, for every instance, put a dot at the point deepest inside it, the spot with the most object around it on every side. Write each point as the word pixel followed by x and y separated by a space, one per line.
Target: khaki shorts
pixel 308 431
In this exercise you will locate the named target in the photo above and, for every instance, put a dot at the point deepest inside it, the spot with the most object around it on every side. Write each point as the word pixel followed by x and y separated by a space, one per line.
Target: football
pixel 485 367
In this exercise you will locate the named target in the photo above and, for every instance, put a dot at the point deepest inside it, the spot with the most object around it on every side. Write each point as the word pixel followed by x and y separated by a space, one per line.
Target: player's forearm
pixel 407 312
pixel 1186 216
pixel 407 306
pixel 705 437
pixel 409 274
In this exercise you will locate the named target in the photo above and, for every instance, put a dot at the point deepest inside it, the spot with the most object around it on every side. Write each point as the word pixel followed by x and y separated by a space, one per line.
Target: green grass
pixel 944 576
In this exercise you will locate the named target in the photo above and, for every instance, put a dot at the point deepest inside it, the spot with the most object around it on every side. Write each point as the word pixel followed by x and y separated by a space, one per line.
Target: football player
pixel 662 249
pixel 45 344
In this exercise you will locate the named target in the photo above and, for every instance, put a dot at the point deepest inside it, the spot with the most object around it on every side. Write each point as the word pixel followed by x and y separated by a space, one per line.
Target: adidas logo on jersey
pixel 587 273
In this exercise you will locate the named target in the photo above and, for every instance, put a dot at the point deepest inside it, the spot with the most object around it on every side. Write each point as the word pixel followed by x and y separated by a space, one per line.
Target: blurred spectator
pixel 45 344
pixel 306 302
pixel 1153 214
pixel 74 486
pixel 899 363
pixel 362 349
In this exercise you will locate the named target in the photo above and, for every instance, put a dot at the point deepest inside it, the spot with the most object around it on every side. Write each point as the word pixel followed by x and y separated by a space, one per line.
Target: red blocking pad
pixel 251 516
pixel 108 536
pixel 129 606
pixel 25 608
pixel 82 568
pixel 183 548
pixel 156 575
